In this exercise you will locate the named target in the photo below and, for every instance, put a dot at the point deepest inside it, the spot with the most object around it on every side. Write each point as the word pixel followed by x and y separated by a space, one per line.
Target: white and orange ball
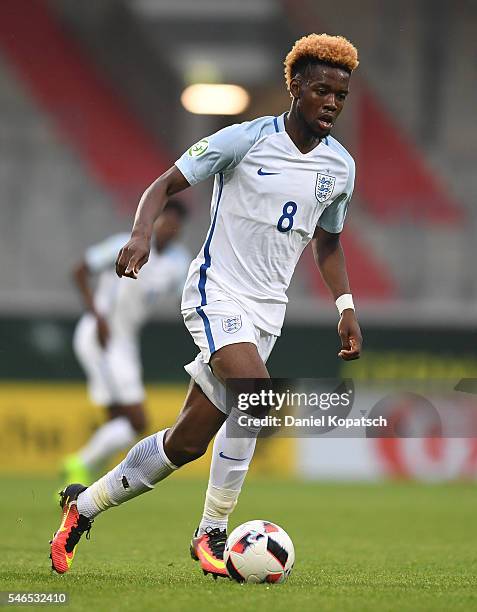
pixel 259 551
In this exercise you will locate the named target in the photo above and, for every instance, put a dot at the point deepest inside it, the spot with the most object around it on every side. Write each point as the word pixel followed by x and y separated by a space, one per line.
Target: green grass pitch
pixel 393 547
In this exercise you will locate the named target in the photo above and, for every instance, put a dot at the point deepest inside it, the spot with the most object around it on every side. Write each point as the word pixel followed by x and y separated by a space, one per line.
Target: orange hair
pixel 321 47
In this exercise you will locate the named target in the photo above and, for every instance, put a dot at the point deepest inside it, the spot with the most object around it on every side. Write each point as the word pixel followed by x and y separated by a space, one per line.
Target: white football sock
pixel 231 457
pixel 113 436
pixel 145 465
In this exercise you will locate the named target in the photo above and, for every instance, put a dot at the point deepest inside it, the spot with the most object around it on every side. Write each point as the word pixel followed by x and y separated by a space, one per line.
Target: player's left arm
pixel 330 259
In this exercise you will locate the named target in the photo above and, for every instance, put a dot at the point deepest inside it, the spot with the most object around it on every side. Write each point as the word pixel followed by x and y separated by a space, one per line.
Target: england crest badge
pixel 325 183
pixel 232 324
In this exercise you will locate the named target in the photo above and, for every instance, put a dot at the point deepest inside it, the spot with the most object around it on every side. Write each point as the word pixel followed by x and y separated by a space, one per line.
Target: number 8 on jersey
pixel 289 210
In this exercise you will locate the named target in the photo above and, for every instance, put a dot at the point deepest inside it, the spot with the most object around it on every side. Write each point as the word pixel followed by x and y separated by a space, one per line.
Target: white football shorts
pixel 114 374
pixel 216 325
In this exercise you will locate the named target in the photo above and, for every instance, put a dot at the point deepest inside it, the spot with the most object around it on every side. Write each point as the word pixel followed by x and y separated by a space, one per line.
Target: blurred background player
pixel 106 339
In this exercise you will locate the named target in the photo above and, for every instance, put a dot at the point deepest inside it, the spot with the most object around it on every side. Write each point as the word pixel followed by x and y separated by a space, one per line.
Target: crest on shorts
pixel 325 183
pixel 232 324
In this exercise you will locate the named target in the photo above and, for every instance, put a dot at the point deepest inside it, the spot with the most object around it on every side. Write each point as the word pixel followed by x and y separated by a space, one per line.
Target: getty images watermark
pixel 347 408
pixel 306 403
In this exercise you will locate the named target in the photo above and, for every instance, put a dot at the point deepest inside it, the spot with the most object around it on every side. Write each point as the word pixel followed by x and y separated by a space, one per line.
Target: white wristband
pixel 343 302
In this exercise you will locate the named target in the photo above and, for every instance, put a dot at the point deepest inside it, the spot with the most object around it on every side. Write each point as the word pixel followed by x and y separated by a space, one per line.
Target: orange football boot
pixel 208 550
pixel 72 527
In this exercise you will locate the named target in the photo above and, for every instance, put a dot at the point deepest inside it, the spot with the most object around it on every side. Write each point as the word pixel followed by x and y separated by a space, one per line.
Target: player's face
pixel 166 228
pixel 321 96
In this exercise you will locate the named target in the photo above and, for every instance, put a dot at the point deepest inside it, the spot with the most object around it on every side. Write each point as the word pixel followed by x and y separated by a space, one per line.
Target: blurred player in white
pixel 106 339
pixel 280 183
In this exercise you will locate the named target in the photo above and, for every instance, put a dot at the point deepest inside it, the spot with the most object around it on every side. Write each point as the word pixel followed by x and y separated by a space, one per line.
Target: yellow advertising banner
pixel 41 423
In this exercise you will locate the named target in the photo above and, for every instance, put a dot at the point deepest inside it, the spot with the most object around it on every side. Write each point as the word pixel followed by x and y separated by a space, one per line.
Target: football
pixel 259 551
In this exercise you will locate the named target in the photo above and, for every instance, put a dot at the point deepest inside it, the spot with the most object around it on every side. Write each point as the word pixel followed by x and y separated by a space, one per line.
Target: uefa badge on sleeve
pixel 232 324
pixel 325 183
pixel 199 148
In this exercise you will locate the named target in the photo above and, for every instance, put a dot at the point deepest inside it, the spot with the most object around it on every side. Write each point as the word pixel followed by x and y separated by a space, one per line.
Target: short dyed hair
pixel 320 48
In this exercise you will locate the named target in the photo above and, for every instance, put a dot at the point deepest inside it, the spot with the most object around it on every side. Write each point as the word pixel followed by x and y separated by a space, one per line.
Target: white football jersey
pixel 267 200
pixel 127 302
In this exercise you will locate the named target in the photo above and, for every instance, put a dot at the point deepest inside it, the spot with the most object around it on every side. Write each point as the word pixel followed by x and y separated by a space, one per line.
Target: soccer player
pixel 280 183
pixel 106 339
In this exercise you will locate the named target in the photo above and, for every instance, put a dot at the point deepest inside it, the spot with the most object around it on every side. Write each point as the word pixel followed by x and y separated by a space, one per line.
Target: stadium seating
pixel 71 185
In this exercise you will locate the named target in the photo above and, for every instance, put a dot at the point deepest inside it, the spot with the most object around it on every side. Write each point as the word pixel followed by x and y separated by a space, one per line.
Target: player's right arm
pixel 135 253
pixel 219 152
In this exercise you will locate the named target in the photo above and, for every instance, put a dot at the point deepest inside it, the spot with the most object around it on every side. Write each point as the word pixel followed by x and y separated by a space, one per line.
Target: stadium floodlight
pixel 215 99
